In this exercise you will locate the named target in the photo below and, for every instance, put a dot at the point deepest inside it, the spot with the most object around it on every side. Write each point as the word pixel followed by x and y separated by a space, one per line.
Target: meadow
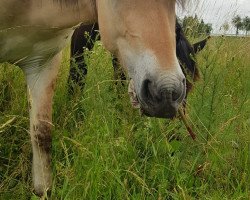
pixel 104 149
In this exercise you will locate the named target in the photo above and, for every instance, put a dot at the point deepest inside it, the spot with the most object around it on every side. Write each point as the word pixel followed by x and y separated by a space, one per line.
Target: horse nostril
pixel 170 95
pixel 178 92
pixel 175 95
pixel 147 89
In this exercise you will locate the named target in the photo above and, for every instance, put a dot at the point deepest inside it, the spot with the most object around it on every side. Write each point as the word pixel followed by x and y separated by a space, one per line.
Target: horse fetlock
pixel 42 141
pixel 42 189
pixel 42 175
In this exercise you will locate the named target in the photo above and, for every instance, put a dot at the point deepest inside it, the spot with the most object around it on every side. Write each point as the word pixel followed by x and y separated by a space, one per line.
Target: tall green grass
pixel 103 149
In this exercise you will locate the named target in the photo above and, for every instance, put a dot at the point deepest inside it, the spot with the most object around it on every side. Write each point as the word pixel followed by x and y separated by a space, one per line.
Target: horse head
pixel 142 35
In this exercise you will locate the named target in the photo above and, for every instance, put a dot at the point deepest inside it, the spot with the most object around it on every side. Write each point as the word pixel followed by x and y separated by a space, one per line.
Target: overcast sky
pixel 217 12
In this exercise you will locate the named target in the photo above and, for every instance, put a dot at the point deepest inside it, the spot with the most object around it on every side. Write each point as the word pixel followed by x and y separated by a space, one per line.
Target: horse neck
pixel 47 13
pixel 67 13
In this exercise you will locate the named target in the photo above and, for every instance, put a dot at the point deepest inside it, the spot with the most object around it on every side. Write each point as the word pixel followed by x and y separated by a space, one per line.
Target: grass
pixel 103 149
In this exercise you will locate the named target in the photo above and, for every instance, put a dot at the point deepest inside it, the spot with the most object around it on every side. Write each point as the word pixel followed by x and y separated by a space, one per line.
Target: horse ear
pixel 200 45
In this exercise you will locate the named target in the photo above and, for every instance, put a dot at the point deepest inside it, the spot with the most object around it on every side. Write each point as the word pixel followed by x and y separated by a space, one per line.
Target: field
pixel 104 149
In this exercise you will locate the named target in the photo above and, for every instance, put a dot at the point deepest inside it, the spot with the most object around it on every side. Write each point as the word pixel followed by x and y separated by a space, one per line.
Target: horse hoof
pixel 41 191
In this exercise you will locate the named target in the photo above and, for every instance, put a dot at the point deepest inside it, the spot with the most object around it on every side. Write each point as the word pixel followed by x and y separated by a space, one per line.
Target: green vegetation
pixel 195 27
pixel 103 149
pixel 241 24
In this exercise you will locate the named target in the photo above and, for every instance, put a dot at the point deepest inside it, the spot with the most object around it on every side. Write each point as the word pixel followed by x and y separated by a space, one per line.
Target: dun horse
pixel 141 34
pixel 85 36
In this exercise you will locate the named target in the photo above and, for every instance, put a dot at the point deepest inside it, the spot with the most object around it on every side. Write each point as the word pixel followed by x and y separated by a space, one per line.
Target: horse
pixel 84 37
pixel 141 34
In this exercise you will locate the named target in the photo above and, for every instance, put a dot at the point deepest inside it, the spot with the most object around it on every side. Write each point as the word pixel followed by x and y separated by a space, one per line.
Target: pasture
pixel 104 149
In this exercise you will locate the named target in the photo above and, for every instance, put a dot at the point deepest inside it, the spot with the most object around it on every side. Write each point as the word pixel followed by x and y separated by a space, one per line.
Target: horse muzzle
pixel 162 97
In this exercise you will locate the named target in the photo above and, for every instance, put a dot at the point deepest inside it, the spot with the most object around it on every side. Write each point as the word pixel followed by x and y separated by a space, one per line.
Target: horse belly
pixel 31 47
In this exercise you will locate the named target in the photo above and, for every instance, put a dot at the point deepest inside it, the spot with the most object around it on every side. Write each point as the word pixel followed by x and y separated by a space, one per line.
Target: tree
pixel 246 24
pixel 225 27
pixel 208 28
pixel 195 27
pixel 237 22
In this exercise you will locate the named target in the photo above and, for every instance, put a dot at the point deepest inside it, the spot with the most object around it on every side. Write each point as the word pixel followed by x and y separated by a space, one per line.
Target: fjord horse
pixel 85 36
pixel 141 34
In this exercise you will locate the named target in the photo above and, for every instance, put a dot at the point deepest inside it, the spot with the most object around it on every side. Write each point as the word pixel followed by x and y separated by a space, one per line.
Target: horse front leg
pixel 82 38
pixel 41 90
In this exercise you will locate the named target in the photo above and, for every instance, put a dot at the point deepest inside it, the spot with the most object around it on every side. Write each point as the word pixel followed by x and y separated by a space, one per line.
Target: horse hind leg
pixel 41 90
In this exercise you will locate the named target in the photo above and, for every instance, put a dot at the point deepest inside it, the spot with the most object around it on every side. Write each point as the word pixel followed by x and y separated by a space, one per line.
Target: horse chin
pixel 133 96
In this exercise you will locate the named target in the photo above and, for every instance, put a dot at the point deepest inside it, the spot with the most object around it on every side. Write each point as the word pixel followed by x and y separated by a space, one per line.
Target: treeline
pixel 195 27
pixel 242 24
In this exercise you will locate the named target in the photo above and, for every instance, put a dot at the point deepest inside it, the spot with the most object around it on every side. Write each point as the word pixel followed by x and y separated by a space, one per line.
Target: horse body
pixel 33 32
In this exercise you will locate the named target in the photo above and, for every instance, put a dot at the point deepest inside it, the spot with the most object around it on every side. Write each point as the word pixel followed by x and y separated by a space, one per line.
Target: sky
pixel 217 12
